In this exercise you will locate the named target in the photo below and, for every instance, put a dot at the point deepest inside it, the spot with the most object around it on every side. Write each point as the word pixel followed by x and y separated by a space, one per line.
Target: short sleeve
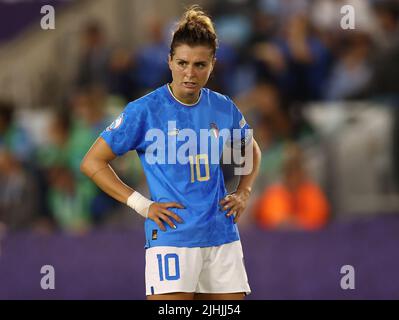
pixel 241 131
pixel 126 132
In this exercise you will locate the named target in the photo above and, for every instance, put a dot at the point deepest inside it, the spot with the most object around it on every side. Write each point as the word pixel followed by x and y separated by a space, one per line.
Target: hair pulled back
pixel 195 28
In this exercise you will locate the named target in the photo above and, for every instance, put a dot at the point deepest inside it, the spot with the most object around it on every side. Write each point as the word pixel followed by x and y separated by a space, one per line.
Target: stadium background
pixel 323 102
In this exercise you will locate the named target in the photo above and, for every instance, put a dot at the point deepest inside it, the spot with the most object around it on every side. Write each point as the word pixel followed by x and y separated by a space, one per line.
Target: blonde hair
pixel 195 28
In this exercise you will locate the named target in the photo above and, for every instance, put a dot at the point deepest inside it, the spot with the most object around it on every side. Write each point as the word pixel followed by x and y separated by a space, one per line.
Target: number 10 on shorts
pixel 164 266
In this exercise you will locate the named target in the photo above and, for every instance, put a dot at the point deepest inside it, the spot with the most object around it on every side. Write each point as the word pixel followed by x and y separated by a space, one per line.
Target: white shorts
pixel 201 270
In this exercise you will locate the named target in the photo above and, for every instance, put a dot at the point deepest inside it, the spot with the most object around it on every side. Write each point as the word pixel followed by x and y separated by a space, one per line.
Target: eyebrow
pixel 197 62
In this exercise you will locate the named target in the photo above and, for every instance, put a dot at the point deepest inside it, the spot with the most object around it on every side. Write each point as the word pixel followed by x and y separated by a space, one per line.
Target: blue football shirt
pixel 180 147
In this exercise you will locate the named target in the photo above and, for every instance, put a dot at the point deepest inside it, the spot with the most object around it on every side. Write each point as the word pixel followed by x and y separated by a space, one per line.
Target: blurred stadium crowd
pixel 275 59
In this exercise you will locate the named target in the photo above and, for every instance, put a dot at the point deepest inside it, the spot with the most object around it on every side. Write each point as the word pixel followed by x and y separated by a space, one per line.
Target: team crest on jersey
pixel 214 129
pixel 116 124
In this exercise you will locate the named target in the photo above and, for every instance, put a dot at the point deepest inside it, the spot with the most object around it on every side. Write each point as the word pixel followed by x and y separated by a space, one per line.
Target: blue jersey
pixel 180 148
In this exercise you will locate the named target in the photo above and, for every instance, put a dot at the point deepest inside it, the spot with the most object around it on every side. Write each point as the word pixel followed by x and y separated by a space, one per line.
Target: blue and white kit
pixel 197 184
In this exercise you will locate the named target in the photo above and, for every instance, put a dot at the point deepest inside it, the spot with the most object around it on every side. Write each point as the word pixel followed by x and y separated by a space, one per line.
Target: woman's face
pixel 191 68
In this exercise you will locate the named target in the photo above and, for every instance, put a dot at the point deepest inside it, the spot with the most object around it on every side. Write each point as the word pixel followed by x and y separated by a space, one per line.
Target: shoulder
pixel 218 98
pixel 145 102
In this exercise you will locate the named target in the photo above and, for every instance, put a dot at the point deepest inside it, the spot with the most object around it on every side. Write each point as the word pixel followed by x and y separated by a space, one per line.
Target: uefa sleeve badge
pixel 116 123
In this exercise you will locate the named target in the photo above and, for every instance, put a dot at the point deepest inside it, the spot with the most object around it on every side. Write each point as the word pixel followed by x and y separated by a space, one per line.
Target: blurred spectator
pixel 383 84
pixel 225 69
pixel 121 80
pixel 297 61
pixel 13 137
pixel 352 71
pixel 67 202
pixel 88 120
pixel 74 204
pixel 387 19
pixel 60 195
pixel 233 73
pixel 18 193
pixel 152 68
pixel 56 151
pixel 275 126
pixel 385 62
pixel 262 106
pixel 94 56
pixel 297 202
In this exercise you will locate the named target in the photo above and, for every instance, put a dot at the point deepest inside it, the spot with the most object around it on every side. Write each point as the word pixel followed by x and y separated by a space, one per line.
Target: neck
pixel 188 99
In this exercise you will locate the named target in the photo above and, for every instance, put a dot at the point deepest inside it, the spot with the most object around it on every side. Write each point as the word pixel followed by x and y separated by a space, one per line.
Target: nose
pixel 190 72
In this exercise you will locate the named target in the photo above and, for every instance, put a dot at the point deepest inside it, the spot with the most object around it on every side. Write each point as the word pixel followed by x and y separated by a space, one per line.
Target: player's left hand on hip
pixel 235 203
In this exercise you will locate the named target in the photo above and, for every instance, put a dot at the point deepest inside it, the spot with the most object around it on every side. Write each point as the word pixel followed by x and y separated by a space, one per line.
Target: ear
pixel 213 64
pixel 170 61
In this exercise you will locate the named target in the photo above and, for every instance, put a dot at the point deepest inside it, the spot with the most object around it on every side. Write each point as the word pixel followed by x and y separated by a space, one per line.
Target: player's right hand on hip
pixel 159 213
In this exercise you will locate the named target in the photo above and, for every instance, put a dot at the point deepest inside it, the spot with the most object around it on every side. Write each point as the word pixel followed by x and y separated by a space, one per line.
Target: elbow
pixel 90 165
pixel 257 155
pixel 257 151
pixel 84 167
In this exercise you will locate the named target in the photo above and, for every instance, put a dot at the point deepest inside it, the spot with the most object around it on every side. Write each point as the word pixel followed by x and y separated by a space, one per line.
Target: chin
pixel 191 91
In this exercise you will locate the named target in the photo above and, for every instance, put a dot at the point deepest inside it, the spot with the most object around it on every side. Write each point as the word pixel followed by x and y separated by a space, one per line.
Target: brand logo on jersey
pixel 173 132
pixel 116 124
pixel 214 129
pixel 242 122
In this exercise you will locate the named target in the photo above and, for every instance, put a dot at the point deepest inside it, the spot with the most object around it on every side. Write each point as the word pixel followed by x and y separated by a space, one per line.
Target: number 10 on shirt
pixel 195 162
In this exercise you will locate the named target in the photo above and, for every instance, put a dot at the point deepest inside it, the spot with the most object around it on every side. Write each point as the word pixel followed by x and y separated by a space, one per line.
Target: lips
pixel 190 85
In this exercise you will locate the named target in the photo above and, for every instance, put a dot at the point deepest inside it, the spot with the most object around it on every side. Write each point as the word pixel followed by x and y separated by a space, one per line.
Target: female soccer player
pixel 193 249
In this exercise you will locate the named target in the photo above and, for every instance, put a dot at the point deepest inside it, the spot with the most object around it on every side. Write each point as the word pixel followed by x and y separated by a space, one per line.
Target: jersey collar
pixel 184 104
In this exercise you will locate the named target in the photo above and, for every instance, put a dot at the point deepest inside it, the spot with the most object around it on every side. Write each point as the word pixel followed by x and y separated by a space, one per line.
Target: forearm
pixel 96 165
pixel 107 180
pixel 246 181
